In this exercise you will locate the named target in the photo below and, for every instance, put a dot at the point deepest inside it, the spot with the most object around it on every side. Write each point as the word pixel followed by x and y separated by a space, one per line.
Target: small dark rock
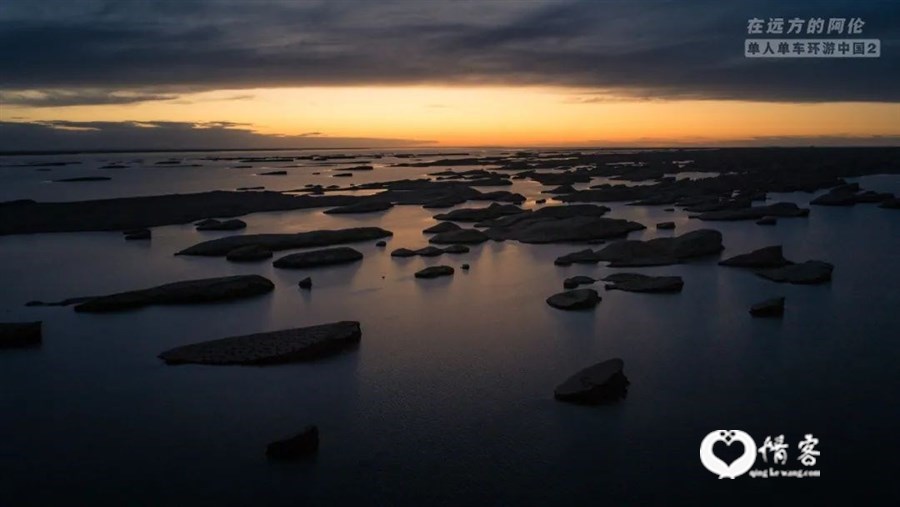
pixel 575 281
pixel 601 383
pixel 20 334
pixel 381 243
pixel 767 221
pixel 434 272
pixel 298 446
pixel 665 225
pixel 323 257
pixel 306 283
pixel 578 299
pixel 137 234
pixel 768 308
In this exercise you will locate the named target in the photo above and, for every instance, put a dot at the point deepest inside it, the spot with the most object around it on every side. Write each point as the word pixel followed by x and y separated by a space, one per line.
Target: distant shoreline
pixel 407 148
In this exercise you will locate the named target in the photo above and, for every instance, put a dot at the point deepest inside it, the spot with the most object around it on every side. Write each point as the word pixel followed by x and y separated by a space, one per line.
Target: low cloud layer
pixel 88 136
pixel 685 49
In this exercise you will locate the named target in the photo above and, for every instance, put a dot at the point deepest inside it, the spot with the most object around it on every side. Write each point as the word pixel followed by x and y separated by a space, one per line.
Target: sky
pixel 178 74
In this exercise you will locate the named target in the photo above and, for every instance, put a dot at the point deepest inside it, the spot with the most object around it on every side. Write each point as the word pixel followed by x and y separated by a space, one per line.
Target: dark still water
pixel 449 398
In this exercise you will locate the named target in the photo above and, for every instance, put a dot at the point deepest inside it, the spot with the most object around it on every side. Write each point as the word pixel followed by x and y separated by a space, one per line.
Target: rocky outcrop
pixel 575 281
pixel 769 308
pixel 780 209
pixel 602 383
pixel 768 257
pixel 317 258
pixel 206 290
pixel 558 224
pixel 275 242
pixel 20 334
pixel 805 273
pixel 275 347
pixel 636 282
pixel 480 214
pixel 249 253
pixel 298 446
pixel 212 224
pixel 578 299
pixel 442 227
pixel 434 272
pixel 849 195
pixel 654 252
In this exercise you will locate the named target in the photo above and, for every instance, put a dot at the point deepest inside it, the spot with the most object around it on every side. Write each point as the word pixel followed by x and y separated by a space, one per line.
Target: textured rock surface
pixel 434 272
pixel 806 273
pixel 249 253
pixel 316 258
pixel 461 236
pixel 276 347
pixel 206 290
pixel 768 257
pixel 603 382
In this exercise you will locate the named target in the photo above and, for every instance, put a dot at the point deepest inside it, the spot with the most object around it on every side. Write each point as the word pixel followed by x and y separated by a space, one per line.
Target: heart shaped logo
pixel 736 446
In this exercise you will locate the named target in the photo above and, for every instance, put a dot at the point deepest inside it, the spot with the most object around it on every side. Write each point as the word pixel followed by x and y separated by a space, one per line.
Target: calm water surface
pixel 448 399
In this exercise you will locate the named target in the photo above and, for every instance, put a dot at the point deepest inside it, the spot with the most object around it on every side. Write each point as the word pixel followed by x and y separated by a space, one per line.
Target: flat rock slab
pixel 578 299
pixel 603 382
pixel 654 252
pixel 206 290
pixel 20 334
pixel 779 209
pixel 316 258
pixel 636 282
pixel 442 227
pixel 434 272
pixel 769 308
pixel 249 253
pixel 430 251
pixel 275 242
pixel 212 224
pixel 479 214
pixel 768 257
pixel 276 347
pixel 26 216
pixel 805 273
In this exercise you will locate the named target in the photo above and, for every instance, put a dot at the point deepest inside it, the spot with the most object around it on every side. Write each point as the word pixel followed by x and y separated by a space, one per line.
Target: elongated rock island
pixel 275 347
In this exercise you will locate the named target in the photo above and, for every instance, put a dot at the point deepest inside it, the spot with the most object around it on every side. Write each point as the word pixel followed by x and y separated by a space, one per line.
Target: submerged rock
pixel 768 257
pixel 769 308
pixel 434 272
pixel 369 206
pixel 767 221
pixel 20 334
pixel 249 253
pixel 806 273
pixel 636 282
pixel 316 258
pixel 206 290
pixel 275 347
pixel 300 445
pixel 137 234
pixel 575 281
pixel 603 382
pixel 212 224
pixel 578 299
pixel 275 242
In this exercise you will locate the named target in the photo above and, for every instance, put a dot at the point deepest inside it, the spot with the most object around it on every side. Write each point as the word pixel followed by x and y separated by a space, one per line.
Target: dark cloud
pixel 62 98
pixel 136 136
pixel 685 49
